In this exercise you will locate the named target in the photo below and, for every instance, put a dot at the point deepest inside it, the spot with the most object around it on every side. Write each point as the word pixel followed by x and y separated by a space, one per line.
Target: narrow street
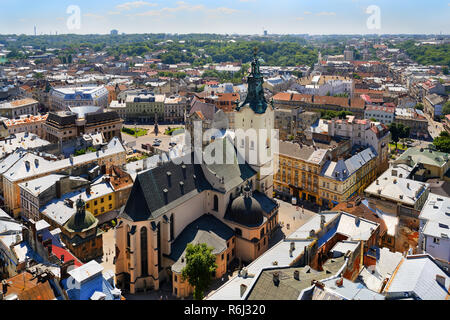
pixel 434 128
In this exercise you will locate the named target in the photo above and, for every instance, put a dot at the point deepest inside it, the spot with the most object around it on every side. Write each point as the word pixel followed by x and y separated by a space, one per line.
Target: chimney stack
pixel 276 279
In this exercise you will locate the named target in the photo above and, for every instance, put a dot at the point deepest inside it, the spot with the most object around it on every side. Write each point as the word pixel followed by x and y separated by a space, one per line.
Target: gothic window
pixel 144 252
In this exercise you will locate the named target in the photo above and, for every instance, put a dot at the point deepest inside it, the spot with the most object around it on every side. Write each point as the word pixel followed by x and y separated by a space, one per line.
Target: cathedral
pixel 229 206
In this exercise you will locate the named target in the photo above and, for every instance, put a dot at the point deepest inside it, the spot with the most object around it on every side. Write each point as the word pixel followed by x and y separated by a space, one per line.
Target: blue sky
pixel 225 16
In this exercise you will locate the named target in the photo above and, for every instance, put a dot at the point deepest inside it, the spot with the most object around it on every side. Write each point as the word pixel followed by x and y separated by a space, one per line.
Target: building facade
pixel 63 98
pixel 64 126
pixel 15 109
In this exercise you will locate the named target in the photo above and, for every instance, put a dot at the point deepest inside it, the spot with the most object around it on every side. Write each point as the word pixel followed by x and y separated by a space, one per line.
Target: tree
pixel 442 142
pixel 419 106
pixel 446 108
pixel 199 269
pixel 398 131
pixel 445 70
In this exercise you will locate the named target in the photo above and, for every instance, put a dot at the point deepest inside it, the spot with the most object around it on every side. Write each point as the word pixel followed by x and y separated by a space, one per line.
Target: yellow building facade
pixel 299 172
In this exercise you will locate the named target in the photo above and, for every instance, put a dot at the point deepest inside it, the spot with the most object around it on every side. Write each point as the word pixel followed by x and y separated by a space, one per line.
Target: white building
pixel 434 229
pixel 63 98
pixel 383 114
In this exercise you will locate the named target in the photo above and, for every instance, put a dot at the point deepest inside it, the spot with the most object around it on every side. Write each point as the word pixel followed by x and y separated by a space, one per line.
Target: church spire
pixel 255 96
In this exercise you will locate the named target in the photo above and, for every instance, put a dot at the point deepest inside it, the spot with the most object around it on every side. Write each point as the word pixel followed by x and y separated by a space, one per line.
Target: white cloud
pixel 300 18
pixel 307 12
pixel 324 13
pixel 186 7
pixel 134 4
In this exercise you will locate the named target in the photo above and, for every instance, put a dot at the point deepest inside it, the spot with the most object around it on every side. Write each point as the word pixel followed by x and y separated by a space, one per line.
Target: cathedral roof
pixel 158 190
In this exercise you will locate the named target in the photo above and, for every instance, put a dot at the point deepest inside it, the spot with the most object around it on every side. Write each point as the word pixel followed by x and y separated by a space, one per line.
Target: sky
pixel 225 16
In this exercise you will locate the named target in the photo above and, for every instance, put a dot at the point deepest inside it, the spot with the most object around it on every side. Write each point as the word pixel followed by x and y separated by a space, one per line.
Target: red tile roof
pixel 59 252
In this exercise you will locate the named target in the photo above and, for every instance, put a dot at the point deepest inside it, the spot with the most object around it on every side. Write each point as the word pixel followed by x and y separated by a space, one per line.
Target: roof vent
pixel 297 275
pixel 340 282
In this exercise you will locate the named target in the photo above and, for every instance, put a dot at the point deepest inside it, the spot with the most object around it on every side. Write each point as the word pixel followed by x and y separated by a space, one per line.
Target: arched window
pixel 262 233
pixel 144 252
pixel 238 232
pixel 216 203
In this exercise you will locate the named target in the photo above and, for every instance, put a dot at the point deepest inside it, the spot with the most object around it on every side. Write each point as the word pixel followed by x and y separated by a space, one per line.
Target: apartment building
pixel 340 181
pixel 16 108
pixel 145 108
pixel 27 166
pixel 28 123
pixel 299 170
pixel 364 133
pixel 383 114
pixel 434 232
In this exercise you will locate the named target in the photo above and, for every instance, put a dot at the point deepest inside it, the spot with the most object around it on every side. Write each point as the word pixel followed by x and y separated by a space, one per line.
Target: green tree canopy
pixel 399 131
pixel 442 142
pixel 446 108
pixel 199 269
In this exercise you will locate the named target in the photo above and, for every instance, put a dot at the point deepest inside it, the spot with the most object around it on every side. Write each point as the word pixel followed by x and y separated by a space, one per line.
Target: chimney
pixel 322 221
pixel 276 278
pixel 340 282
pixel 297 275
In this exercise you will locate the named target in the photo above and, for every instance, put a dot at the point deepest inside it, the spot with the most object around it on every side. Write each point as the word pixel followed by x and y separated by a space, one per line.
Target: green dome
pixel 81 225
